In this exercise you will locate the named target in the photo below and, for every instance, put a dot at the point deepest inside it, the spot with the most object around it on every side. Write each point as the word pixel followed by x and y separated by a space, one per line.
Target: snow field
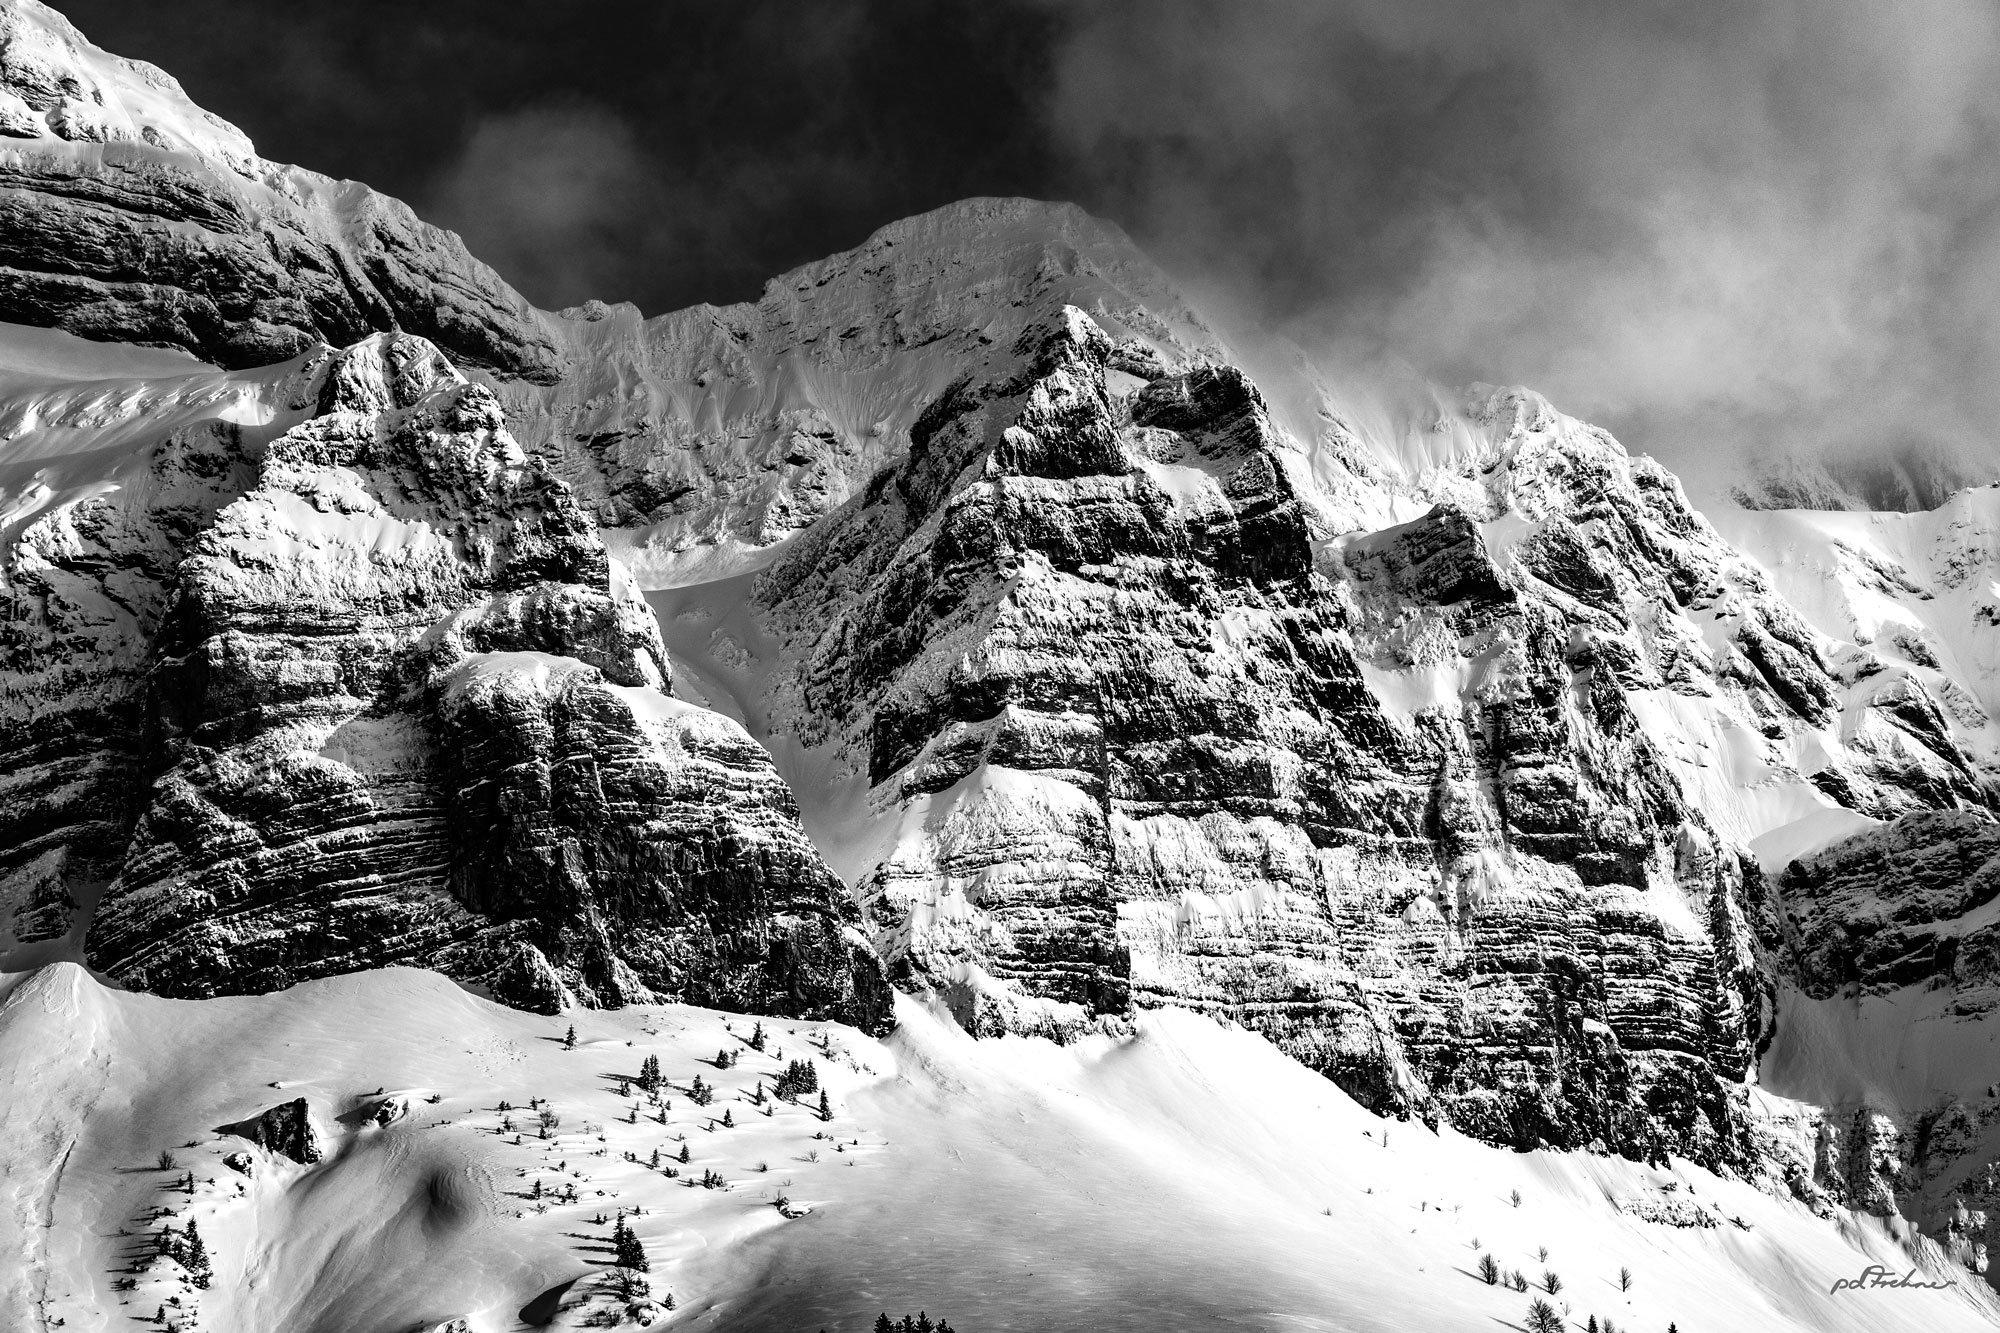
pixel 1184 1175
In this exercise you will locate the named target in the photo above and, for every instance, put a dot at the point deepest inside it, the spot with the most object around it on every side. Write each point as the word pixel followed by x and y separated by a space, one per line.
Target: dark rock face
pixel 128 214
pixel 1907 904
pixel 712 897
pixel 286 1129
pixel 1907 911
pixel 398 707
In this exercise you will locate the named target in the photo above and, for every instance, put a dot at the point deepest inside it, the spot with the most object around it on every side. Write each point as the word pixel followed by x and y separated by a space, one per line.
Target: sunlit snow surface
pixel 1185 1177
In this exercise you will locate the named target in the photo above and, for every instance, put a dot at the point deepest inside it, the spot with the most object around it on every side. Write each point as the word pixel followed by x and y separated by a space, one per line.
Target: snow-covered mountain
pixel 970 614
pixel 128 213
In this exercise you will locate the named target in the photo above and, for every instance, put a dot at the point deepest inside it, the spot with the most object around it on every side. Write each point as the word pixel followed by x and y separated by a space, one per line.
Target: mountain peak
pixel 130 214
pixel 60 85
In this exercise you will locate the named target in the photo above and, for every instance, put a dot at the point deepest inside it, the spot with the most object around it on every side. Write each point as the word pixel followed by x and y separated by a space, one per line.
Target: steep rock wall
pixel 321 740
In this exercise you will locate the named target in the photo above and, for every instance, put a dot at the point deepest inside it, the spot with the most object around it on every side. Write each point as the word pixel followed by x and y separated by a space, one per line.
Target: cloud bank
pixel 1715 226
pixel 1719 228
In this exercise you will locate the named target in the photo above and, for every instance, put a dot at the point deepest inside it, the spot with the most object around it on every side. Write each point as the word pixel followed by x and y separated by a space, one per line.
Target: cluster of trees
pixel 1492 1274
pixel 700 1093
pixel 626 1250
pixel 921 1324
pixel 799 1078
pixel 757 1036
pixel 649 1073
pixel 187 1249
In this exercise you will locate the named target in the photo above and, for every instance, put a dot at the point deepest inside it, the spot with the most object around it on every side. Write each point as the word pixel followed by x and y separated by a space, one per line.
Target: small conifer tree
pixel 1624 1279
pixel 757 1036
pixel 569 1038
pixel 882 1324
pixel 626 1248
pixel 1489 1269
pixel 684 1154
pixel 196 1257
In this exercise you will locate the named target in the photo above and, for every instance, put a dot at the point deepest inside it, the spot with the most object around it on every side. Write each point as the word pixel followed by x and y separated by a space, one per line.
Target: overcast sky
pixel 1703 223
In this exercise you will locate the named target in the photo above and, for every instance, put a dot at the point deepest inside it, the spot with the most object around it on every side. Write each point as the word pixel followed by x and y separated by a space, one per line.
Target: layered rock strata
pixel 1419 804
pixel 399 706
pixel 129 214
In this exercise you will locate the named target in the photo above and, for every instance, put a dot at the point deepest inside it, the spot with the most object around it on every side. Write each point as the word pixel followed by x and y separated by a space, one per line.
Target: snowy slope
pixel 1183 1175
pixel 1922 588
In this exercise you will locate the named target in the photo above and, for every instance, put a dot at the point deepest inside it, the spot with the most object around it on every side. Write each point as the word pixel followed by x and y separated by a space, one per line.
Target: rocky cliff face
pixel 1434 806
pixel 375 693
pixel 129 214
pixel 95 540
pixel 1904 916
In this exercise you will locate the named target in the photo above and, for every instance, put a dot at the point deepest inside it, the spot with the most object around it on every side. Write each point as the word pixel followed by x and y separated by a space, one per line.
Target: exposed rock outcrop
pixel 286 1129
pixel 129 214
pixel 1139 733
pixel 357 762
pixel 89 575
pixel 1914 903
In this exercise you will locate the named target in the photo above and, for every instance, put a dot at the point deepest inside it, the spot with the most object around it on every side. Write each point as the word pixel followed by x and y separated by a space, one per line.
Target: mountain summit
pixel 129 214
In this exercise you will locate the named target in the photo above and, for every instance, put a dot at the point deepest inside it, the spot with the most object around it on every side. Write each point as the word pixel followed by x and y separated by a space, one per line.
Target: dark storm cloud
pixel 1704 221
pixel 698 148
pixel 1709 223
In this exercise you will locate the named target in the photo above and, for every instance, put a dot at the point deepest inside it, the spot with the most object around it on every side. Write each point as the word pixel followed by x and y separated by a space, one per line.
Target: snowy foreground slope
pixel 1166 1180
